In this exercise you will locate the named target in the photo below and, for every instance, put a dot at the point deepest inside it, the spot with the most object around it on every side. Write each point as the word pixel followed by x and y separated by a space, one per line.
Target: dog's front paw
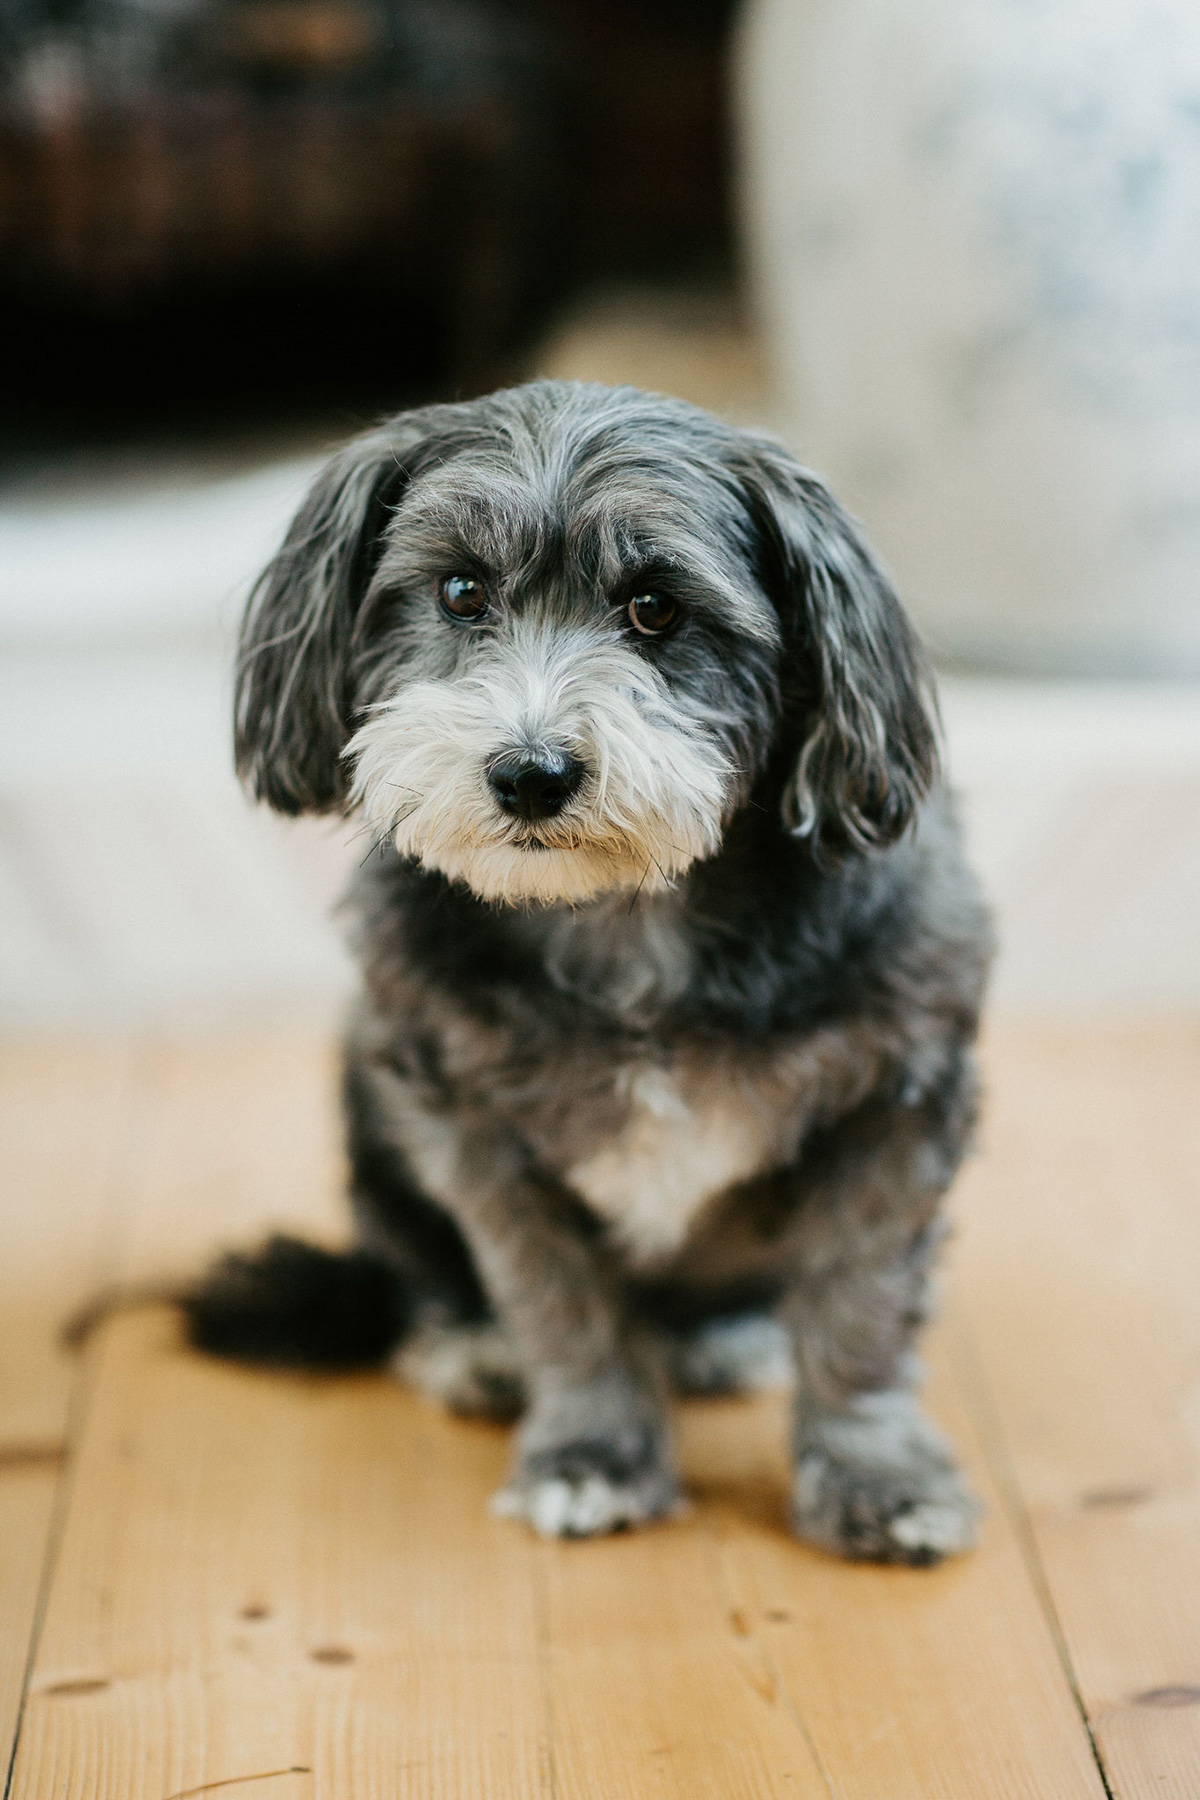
pixel 587 1502
pixel 592 1458
pixel 878 1483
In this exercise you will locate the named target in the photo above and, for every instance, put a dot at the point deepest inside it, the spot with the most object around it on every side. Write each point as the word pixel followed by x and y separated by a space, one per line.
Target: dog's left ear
pixel 858 691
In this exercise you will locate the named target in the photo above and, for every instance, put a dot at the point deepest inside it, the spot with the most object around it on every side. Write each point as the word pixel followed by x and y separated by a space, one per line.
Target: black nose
pixel 534 784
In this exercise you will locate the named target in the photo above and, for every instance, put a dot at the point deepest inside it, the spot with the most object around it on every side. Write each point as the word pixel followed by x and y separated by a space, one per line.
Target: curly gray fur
pixel 695 1041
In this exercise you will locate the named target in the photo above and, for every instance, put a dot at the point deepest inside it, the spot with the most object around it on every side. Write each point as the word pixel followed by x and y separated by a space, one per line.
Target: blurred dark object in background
pixel 281 200
pixel 648 142
pixel 233 208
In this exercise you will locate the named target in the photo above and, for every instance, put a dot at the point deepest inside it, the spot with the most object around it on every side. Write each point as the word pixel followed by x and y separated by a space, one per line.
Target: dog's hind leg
pixel 874 1477
pixel 396 1219
pixel 472 1369
pixel 737 1353
pixel 455 1351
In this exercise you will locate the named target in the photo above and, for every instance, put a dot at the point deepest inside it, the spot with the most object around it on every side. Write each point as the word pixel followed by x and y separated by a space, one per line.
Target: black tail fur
pixel 294 1305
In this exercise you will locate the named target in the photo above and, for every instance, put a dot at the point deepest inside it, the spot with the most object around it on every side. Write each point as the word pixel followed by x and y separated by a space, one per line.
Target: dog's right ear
pixel 293 711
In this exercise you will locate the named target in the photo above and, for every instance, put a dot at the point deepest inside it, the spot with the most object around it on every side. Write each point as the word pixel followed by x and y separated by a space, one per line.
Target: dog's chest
pixel 684 1140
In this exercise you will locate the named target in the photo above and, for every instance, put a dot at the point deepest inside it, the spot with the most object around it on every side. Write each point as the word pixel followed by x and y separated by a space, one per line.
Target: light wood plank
pixel 245 1138
pixel 65 1116
pixel 939 1684
pixel 658 1683
pixel 383 1485
pixel 84 1131
pixel 264 1575
pixel 27 1496
pixel 1077 1277
pixel 271 1574
pixel 394 1627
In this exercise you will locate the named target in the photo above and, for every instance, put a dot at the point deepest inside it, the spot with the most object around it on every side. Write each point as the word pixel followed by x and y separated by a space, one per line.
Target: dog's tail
pixel 294 1305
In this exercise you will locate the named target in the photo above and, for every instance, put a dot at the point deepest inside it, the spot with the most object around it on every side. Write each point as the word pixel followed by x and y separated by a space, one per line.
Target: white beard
pixel 653 802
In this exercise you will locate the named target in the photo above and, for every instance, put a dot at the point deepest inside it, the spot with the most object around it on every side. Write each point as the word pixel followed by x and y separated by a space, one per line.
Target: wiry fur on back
pixel 694 1036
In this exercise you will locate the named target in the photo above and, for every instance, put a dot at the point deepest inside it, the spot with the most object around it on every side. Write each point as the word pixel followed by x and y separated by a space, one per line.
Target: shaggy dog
pixel 672 966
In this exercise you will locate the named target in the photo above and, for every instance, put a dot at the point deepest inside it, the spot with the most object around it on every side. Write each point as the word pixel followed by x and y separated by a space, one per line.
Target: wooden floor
pixel 213 1580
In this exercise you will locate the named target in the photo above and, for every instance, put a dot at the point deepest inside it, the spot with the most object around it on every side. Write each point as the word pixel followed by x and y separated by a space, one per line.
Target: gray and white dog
pixel 672 965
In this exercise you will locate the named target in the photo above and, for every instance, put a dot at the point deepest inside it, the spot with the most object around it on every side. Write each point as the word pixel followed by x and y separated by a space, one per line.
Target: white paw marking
pixel 945 1528
pixel 583 1508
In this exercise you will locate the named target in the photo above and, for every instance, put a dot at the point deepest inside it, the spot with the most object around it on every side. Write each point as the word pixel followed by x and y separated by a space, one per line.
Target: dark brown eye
pixel 652 614
pixel 462 598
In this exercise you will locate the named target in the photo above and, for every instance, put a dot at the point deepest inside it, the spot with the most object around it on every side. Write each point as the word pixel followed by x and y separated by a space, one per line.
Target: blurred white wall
pixel 973 228
pixel 136 884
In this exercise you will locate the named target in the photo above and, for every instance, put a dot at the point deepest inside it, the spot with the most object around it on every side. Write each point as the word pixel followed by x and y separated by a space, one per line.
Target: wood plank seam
pixel 971 1376
pixel 83 1386
pixel 670 1664
pixel 136 1092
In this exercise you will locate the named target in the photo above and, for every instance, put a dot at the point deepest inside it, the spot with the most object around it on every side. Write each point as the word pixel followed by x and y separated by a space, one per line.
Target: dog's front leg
pixel 874 1478
pixel 592 1450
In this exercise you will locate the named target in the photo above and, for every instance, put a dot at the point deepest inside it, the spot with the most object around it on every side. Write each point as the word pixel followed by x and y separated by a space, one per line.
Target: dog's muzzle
pixel 534 784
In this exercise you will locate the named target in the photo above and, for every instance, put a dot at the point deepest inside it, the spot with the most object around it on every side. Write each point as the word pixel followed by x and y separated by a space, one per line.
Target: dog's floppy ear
pixel 293 707
pixel 857 688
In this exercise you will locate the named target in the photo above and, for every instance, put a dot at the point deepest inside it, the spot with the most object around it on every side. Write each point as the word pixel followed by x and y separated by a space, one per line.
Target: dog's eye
pixel 462 598
pixel 652 614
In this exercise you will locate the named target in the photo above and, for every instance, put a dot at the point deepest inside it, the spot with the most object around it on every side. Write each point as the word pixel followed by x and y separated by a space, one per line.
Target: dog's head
pixel 551 641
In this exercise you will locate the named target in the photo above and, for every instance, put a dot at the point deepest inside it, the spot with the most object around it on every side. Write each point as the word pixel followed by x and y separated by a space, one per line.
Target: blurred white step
pixel 139 561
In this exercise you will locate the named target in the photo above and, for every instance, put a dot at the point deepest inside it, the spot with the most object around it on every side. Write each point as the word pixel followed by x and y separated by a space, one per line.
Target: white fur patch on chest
pixel 680 1146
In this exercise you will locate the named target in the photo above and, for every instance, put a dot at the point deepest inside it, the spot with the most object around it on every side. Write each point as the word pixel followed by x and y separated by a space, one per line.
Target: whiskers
pixel 652 802
pixel 381 837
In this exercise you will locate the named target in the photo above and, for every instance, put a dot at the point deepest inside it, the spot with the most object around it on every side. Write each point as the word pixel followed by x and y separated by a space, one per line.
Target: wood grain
pixel 294 1586
pixel 269 1574
pixel 65 1117
pixel 66 1120
pixel 27 1496
pixel 937 1684
pixel 263 1574
pixel 657 1683
pixel 244 1138
pixel 1077 1277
